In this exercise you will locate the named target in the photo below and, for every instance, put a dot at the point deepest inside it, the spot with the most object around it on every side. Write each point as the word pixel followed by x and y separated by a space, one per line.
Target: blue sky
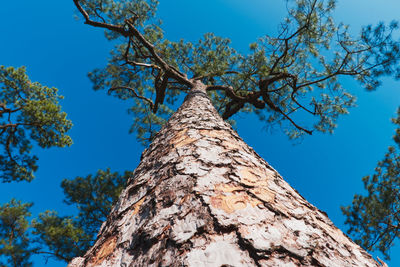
pixel 59 51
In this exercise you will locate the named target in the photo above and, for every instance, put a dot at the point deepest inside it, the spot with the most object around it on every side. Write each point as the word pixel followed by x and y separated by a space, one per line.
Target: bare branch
pixel 134 93
pixel 140 64
pixel 251 97
pixel 156 57
pixel 212 74
pixel 160 84
pixel 115 28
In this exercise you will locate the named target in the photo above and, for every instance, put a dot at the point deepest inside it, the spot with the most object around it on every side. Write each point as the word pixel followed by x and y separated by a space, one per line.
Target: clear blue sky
pixel 59 51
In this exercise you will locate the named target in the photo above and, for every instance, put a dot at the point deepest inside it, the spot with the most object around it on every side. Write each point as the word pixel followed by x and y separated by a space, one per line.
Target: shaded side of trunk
pixel 203 197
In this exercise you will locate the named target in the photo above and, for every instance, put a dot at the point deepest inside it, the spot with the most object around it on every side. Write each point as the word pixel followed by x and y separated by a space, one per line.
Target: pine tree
pixel 201 196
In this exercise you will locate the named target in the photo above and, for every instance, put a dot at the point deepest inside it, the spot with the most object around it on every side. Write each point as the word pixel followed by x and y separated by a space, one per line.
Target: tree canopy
pixel 291 79
pixel 296 71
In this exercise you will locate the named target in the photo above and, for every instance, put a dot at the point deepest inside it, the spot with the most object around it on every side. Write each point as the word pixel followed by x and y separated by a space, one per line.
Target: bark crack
pixel 247 246
pixel 229 229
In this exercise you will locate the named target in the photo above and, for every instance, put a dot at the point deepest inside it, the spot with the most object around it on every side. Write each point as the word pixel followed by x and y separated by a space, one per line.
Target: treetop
pixel 284 79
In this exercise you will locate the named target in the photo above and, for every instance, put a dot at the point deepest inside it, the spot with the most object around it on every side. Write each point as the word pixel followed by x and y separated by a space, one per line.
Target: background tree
pixel 93 195
pixel 373 219
pixel 29 112
pixel 52 235
pixel 15 243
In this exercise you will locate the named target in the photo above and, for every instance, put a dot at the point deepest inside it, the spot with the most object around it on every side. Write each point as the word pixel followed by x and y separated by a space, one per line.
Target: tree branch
pixel 130 31
pixel 160 84
pixel 134 93
pixel 157 58
pixel 208 75
pixel 115 28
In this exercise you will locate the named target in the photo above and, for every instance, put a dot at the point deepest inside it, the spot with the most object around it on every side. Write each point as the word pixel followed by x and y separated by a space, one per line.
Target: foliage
pixel 374 219
pixel 14 240
pixel 67 237
pixel 29 112
pixel 283 78
pixel 62 237
pixel 94 196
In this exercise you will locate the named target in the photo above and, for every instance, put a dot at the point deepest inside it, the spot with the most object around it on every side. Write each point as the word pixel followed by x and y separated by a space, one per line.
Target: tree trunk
pixel 202 197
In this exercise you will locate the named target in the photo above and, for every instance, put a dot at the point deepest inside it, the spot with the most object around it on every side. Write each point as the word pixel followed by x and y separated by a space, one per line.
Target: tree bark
pixel 202 197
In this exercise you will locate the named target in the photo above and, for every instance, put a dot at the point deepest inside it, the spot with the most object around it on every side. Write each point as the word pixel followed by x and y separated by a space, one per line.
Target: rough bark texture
pixel 202 197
